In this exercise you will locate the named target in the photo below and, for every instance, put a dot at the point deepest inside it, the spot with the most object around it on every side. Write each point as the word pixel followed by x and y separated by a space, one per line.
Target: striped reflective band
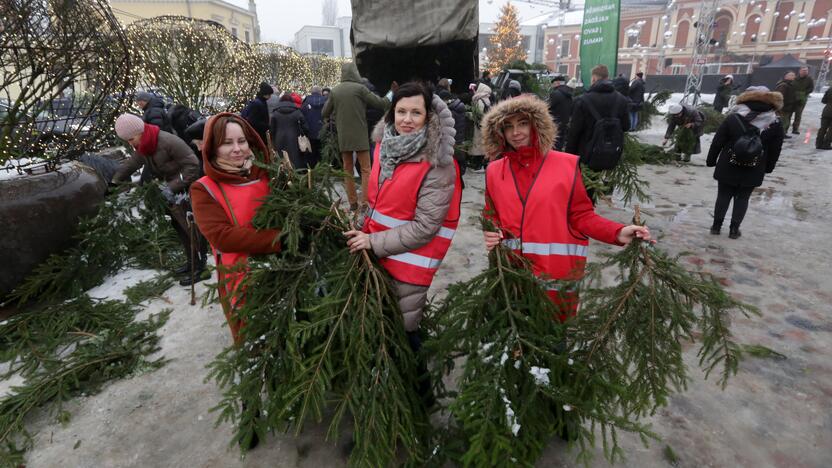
pixel 566 287
pixel 392 222
pixel 416 260
pixel 537 248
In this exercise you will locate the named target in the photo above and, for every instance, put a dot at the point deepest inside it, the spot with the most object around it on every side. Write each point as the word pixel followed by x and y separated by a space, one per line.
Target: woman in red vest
pixel 225 201
pixel 536 197
pixel 414 197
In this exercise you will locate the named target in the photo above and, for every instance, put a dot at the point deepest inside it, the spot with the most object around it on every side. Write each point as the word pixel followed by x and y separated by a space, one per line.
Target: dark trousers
pixel 725 193
pixel 798 113
pixel 423 386
pixel 824 137
pixel 179 220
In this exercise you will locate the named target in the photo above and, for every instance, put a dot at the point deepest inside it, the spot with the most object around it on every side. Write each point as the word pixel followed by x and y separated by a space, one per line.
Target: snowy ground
pixel 773 414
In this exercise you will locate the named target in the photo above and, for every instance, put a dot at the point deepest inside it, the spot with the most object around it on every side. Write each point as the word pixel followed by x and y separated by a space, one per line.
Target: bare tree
pixel 329 12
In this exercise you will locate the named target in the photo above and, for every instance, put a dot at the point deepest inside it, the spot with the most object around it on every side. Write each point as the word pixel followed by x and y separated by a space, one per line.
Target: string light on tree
pixel 507 43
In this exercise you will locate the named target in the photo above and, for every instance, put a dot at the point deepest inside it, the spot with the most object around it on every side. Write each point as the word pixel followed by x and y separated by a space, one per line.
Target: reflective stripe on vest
pixel 539 227
pixel 393 204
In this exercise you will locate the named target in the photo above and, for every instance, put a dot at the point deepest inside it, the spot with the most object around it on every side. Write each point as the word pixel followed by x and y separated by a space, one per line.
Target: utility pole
pixel 704 30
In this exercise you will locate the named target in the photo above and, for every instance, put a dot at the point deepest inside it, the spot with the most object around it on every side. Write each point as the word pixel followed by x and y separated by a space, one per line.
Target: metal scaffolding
pixel 704 32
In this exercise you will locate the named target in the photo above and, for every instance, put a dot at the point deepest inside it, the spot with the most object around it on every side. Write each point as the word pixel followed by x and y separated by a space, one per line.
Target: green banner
pixel 599 36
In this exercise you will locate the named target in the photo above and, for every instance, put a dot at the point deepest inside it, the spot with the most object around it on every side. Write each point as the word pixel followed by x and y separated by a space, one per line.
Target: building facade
pixel 659 39
pixel 333 41
pixel 241 22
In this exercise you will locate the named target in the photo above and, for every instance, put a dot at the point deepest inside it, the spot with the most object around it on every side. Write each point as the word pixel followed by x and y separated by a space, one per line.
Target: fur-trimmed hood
pixel 439 149
pixel 772 98
pixel 536 110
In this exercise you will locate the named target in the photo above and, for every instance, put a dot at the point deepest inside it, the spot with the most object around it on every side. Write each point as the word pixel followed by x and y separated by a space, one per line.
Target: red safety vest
pixel 393 203
pixel 245 198
pixel 539 228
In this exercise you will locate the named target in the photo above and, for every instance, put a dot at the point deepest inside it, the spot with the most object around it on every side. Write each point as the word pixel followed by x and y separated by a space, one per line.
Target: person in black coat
pixel 621 85
pixel 311 108
pixel 636 96
pixel 287 124
pixel 560 108
pixel 824 138
pixel 153 110
pixel 756 107
pixel 457 109
pixel 723 93
pixel 256 111
pixel 181 117
pixel 603 97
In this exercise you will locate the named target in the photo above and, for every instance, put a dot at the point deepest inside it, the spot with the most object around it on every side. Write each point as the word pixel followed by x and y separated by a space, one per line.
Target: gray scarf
pixel 397 148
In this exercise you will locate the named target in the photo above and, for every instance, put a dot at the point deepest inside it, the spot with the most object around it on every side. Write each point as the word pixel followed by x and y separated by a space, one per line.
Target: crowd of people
pixel 411 147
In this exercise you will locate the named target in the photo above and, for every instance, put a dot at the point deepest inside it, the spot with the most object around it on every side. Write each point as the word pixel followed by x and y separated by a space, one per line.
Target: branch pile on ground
pixel 66 350
pixel 130 229
pixel 528 377
pixel 323 334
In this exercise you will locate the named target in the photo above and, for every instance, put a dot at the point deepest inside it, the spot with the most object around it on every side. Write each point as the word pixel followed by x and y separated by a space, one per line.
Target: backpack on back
pixel 607 144
pixel 746 150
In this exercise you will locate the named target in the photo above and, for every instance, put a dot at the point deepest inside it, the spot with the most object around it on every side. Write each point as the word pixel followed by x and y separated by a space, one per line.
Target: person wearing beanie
pixel 172 161
pixel 256 111
pixel 737 177
pixel 514 89
pixel 560 108
pixel 683 115
pixel 153 110
pixel 723 93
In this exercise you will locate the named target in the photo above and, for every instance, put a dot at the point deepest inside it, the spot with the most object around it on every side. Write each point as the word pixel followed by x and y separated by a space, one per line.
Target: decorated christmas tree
pixel 506 43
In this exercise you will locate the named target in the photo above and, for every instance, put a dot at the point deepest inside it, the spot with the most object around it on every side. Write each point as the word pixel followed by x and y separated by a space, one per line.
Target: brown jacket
pixel 211 218
pixel 431 207
pixel 173 161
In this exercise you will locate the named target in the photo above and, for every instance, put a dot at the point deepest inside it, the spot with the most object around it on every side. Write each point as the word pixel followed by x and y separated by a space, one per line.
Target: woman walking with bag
pixel 290 133
pixel 745 148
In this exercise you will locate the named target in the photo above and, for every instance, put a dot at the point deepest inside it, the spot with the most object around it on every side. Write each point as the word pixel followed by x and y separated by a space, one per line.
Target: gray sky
pixel 281 19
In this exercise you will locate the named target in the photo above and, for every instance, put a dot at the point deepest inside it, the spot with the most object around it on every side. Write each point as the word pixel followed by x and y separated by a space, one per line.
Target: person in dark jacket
pixel 560 108
pixel 723 93
pixel 803 86
pixel 181 117
pixel 824 138
pixel 756 107
pixel 153 109
pixel 787 89
pixel 374 115
pixel 604 99
pixel 683 115
pixel 287 124
pixel 636 95
pixel 621 85
pixel 311 108
pixel 256 111
pixel 457 109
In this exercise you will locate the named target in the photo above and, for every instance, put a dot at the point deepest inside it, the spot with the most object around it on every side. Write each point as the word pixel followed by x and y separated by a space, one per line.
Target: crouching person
pixel 172 160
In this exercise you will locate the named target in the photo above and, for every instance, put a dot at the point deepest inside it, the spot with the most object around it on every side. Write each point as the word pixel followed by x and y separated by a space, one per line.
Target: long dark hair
pixel 409 89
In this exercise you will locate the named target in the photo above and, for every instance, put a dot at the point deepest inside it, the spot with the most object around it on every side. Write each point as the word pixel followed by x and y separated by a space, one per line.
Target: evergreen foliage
pixel 65 350
pixel 130 229
pixel 149 289
pixel 330 153
pixel 623 179
pixel 650 108
pixel 323 334
pixel 713 119
pixel 520 385
pixel 506 43
pixel 684 141
pixel 528 377
pixel 643 153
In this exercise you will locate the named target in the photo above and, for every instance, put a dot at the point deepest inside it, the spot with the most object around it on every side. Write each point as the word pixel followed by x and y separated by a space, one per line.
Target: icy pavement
pixel 774 413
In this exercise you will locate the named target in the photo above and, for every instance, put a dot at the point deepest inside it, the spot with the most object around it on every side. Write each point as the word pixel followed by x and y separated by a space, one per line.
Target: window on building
pixel 563 69
pixel 564 48
pixel 234 32
pixel 322 46
pixel 248 36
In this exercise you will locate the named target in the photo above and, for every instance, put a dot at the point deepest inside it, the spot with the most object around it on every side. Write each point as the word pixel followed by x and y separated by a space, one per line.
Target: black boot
pixel 199 270
pixel 717 227
pixel 734 231
pixel 186 268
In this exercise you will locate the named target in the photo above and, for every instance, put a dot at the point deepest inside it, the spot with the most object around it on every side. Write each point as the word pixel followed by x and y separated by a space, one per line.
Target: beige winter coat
pixel 480 98
pixel 431 207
